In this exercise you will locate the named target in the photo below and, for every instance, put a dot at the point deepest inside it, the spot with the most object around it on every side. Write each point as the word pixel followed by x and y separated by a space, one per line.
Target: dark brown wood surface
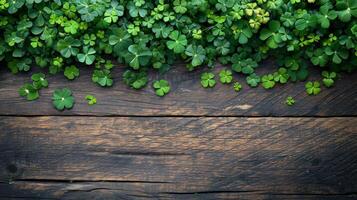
pixel 178 157
pixel 194 143
pixel 187 98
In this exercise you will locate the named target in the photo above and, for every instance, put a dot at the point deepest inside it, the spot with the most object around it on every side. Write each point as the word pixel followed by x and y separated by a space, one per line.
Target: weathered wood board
pixel 80 157
pixel 187 97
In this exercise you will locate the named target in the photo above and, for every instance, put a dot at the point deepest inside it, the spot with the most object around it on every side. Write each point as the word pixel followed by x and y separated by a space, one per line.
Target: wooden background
pixel 194 143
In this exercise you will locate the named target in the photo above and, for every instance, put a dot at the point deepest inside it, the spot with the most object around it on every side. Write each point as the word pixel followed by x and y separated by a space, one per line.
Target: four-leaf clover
pixel 62 99
pixel 313 88
pixel 207 80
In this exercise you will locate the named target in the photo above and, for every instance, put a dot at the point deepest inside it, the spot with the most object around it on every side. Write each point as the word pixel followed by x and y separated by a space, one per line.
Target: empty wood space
pixel 194 143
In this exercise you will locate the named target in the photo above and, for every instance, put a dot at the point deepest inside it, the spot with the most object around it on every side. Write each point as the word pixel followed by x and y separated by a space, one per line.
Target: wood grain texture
pixel 178 158
pixel 187 98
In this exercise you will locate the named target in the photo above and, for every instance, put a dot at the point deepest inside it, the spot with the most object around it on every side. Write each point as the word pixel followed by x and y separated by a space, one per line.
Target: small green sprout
pixel 313 88
pixel 207 80
pixel 162 87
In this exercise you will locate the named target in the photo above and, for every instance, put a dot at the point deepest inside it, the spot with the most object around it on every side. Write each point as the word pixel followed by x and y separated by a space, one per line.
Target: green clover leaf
pixel 197 53
pixel 162 87
pixel 39 80
pixel 88 55
pixel 312 88
pixel 225 76
pixel 177 42
pixel 63 99
pixel 138 56
pixel 237 86
pixel 71 72
pixel 91 99
pixel 207 80
pixel 29 91
pixel 102 78
pixel 328 78
pixel 253 80
pixel 290 101
pixel 268 81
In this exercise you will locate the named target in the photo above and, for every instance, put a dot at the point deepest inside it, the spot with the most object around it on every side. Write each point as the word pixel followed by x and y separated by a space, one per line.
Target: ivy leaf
pixel 71 72
pixel 88 55
pixel 207 80
pixel 29 91
pixel 63 99
pixel 162 87
pixel 68 46
pixel 268 81
pixel 253 80
pixel 197 53
pixel 312 88
pixel 225 76
pixel 39 80
pixel 91 99
pixel 102 78
pixel 177 42
pixel 138 56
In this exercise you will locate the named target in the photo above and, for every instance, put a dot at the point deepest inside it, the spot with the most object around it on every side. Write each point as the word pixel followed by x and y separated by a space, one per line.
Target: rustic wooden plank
pixel 187 98
pixel 178 157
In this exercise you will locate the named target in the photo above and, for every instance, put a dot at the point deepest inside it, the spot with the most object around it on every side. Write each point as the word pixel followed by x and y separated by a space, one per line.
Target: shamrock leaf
pixel 271 34
pixel 136 80
pixel 281 75
pixel 63 99
pixel 39 80
pixel 245 66
pixel 207 80
pixel 253 80
pixel 162 87
pixel 237 86
pixel 197 53
pixel 102 78
pixel 138 56
pixel 242 32
pixel 312 88
pixel 290 101
pixel 161 30
pixel 88 55
pixel 225 76
pixel 325 16
pixel 67 46
pixel 337 54
pixel 29 91
pixel 319 58
pixel 346 9
pixel 268 81
pixel 328 78
pixel 91 99
pixel 177 42
pixel 71 72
